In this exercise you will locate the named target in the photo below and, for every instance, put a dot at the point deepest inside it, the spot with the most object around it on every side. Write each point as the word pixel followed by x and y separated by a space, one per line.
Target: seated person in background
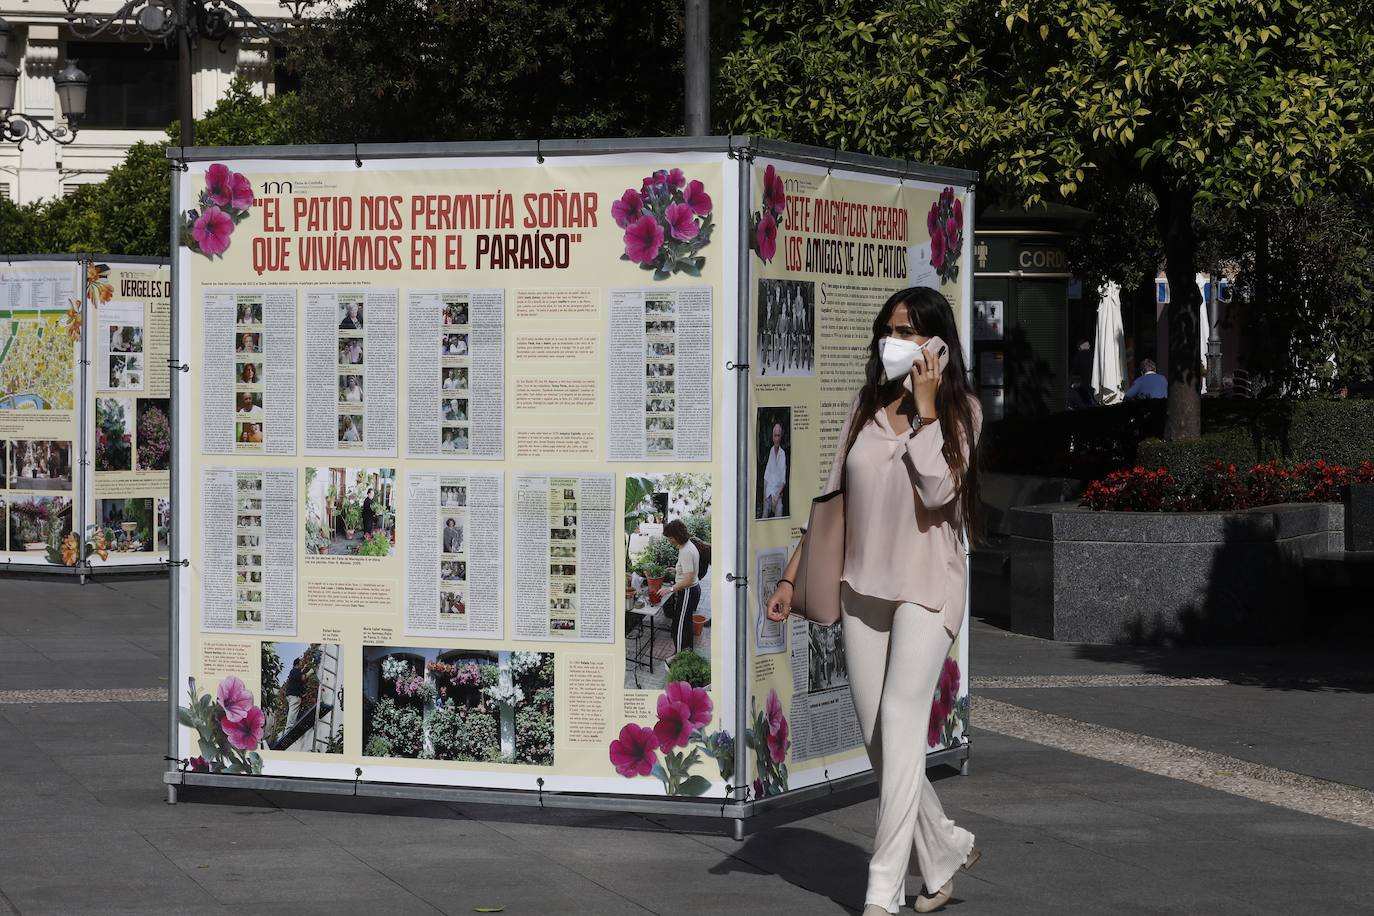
pixel 1150 384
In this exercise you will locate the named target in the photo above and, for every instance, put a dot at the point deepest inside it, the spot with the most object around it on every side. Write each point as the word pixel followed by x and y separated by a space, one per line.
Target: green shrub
pixel 1247 433
pixel 400 726
pixel 690 667
pixel 464 733
pixel 699 527
pixel 377 746
pixel 534 729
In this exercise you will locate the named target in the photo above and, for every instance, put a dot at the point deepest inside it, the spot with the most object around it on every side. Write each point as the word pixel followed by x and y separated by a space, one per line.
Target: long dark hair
pixel 931 316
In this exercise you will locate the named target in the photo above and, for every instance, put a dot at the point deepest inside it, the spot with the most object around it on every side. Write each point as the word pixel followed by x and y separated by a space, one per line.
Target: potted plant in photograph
pixel 352 517
pixel 653 571
pixel 688 666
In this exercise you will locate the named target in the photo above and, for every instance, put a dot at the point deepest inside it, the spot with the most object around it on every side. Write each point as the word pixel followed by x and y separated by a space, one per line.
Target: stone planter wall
pixel 1160 577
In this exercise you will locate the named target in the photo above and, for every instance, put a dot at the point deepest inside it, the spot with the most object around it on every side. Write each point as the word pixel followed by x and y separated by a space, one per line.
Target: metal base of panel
pixel 740 811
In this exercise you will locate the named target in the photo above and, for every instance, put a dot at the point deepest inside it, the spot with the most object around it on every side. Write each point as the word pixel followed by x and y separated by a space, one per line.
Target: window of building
pixel 132 85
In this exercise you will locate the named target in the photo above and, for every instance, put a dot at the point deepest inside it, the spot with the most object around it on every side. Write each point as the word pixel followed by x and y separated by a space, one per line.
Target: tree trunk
pixel 1184 413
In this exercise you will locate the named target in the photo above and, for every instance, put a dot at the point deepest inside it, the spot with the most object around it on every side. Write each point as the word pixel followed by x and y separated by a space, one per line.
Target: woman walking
pixel 906 463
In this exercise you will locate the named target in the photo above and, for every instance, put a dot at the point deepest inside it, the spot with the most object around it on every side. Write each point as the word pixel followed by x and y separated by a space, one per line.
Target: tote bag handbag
pixel 816 593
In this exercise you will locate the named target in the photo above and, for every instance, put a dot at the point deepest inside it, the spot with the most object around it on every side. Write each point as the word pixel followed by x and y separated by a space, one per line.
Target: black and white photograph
pixel 40 464
pixel 453 570
pixel 351 389
pixel 773 453
pixel 249 313
pixel 249 373
pixel 787 327
pixel 453 496
pixel 350 429
pixel 350 314
pixel 456 313
pixel 454 379
pixel 660 386
pixel 453 536
pixel 455 410
pixel 454 439
pixel 455 345
pixel 825 658
pixel 350 351
pixel 659 370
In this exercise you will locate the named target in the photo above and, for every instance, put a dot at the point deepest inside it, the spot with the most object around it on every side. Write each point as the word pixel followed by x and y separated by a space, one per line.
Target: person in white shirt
pixel 685 594
pixel 774 476
pixel 353 394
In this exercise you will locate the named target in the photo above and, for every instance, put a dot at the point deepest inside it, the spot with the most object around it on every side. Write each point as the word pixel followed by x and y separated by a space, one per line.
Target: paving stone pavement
pixel 84 828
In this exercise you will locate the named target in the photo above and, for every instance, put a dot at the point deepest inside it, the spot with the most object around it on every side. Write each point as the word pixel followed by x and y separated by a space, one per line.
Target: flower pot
pixel 349 532
pixel 698 621
pixel 654 585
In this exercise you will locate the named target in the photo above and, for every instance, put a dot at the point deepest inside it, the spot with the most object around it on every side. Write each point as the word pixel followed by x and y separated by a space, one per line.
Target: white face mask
pixel 898 356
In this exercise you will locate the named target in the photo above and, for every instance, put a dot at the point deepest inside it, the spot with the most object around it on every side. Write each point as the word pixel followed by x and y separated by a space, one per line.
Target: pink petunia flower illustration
pixel 774 192
pixel 674 726
pixel 198 765
pixel 682 222
pixel 643 239
pixel 767 237
pixel 778 743
pixel 235 698
pixel 212 230
pixel 634 753
pixel 245 733
pixel 217 178
pixel 946 695
pixel 937 249
pixel 240 191
pixel 958 213
pixel 773 712
pixel 676 179
pixel 628 208
pixel 933 218
pixel 696 197
pixel 951 236
pixel 697 700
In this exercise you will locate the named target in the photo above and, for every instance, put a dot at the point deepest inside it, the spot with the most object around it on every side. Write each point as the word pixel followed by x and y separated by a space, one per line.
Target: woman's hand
pixel 925 382
pixel 780 605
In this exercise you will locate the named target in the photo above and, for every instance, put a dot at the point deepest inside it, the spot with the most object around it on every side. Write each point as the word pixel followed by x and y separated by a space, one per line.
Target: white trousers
pixel 293 708
pixel 894 653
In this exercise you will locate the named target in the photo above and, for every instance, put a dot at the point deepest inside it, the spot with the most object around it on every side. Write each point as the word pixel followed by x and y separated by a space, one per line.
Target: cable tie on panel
pixel 538 150
pixel 540 783
pixel 180 367
pixel 835 157
pixel 178 164
pixel 357 775
pixel 171 562
pixel 357 160
pixel 740 581
pixel 731 366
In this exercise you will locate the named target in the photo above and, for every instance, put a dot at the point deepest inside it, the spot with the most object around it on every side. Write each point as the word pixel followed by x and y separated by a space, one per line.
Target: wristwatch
pixel 920 424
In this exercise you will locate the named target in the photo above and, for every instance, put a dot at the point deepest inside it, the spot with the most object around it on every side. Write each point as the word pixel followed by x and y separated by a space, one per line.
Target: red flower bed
pixel 1221 488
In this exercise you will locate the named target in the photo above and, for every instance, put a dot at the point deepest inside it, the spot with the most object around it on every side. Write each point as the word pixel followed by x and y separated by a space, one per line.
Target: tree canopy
pixel 1238 102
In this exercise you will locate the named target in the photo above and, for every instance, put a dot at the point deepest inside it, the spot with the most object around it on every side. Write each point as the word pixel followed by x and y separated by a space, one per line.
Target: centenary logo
pixel 276 187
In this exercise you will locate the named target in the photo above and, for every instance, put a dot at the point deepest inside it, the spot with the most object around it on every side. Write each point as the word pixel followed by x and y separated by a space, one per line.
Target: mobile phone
pixel 940 349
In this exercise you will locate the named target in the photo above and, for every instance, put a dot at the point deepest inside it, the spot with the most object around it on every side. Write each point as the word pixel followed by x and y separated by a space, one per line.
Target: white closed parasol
pixel 1109 352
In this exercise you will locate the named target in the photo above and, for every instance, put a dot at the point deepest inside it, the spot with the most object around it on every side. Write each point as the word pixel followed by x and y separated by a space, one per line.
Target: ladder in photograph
pixel 328 676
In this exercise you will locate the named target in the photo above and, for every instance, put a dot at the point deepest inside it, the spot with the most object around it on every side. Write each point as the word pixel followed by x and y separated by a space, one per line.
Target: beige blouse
pixel 902 540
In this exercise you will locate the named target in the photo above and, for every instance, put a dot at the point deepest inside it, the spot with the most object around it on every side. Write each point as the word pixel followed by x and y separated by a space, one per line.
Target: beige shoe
pixel 926 904
pixel 874 910
pixel 974 855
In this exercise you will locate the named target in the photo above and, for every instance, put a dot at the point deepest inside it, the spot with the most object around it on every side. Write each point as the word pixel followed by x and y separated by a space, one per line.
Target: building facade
pixel 132 95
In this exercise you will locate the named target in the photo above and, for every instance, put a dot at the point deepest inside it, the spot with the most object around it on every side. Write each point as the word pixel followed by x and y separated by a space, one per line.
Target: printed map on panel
pixel 36 364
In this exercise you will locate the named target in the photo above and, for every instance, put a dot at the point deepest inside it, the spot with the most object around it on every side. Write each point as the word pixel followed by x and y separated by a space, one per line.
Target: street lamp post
pixel 185 22
pixel 15 126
